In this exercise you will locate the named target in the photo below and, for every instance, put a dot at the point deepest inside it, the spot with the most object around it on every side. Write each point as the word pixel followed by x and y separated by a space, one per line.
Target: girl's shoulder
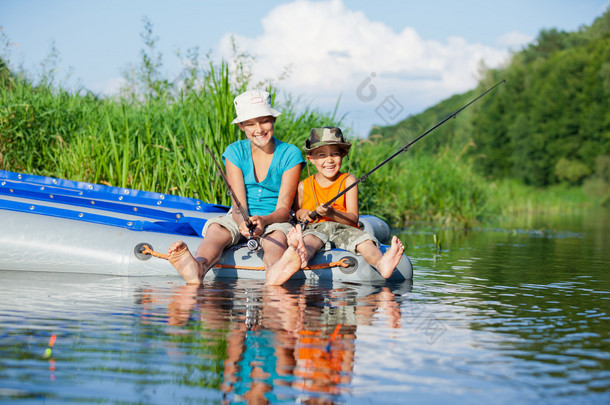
pixel 285 147
pixel 238 146
pixel 288 153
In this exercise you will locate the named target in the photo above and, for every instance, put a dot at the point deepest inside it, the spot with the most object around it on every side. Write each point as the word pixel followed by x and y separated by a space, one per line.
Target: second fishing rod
pixel 314 214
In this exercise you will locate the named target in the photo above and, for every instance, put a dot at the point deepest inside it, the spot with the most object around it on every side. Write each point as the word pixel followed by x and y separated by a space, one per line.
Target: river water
pixel 514 313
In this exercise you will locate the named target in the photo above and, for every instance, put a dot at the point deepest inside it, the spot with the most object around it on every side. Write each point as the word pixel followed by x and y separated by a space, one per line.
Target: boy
pixel 326 147
pixel 263 173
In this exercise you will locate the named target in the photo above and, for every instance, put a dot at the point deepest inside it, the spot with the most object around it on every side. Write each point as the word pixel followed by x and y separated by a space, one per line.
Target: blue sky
pixel 385 60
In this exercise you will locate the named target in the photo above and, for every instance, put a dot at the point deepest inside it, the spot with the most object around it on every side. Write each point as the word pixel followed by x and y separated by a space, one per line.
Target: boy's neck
pixel 326 181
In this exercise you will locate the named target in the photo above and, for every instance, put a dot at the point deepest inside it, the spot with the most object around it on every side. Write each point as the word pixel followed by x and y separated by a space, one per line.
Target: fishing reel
pixel 252 244
pixel 293 218
pixel 294 221
pixel 252 241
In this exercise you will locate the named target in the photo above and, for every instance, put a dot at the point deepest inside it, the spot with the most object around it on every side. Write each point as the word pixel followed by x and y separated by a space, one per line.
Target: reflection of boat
pixel 54 225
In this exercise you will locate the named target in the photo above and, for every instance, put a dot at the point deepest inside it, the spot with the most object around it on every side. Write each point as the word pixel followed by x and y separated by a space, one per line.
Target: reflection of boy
pixel 263 174
pixel 326 147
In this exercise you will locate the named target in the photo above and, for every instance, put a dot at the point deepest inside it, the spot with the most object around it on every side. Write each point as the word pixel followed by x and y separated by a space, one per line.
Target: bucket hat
pixel 253 104
pixel 326 136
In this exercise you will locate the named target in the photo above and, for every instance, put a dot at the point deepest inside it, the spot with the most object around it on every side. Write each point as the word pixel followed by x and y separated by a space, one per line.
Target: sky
pixel 382 61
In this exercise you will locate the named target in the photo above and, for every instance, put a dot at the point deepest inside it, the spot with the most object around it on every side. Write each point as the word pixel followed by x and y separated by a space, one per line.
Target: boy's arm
pixel 290 181
pixel 351 200
pixel 301 213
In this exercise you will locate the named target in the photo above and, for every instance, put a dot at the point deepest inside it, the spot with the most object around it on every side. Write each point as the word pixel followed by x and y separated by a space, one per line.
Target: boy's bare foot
pixel 391 257
pixel 290 262
pixel 191 270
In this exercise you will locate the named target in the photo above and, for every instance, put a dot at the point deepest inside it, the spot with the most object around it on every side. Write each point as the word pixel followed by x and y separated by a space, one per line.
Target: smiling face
pixel 327 160
pixel 258 130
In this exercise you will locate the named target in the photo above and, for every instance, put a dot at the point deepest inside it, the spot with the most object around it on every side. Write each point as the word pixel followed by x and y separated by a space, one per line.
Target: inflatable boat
pixel 57 225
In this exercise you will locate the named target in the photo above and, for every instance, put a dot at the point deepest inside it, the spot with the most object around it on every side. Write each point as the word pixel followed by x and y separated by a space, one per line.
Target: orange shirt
pixel 314 195
pixel 319 362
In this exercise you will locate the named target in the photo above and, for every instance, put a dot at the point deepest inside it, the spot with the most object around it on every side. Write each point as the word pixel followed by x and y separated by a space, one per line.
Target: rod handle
pixel 313 215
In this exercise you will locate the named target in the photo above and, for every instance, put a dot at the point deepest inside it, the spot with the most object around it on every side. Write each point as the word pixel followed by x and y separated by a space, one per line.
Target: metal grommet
pixel 139 249
pixel 353 265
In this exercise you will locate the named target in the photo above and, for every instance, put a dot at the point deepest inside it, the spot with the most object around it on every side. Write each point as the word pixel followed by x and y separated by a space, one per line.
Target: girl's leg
pixel 193 269
pixel 274 245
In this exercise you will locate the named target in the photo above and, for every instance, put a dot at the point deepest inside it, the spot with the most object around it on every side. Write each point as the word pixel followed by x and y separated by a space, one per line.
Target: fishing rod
pixel 314 214
pixel 252 242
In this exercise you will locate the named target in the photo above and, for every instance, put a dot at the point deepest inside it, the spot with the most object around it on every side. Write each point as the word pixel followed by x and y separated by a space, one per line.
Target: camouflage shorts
pixel 342 236
pixel 228 222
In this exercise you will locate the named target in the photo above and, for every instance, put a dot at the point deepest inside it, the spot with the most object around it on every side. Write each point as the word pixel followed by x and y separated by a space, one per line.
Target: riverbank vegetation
pixel 523 149
pixel 542 140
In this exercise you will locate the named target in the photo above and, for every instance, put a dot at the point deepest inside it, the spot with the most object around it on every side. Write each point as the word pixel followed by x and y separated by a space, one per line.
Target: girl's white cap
pixel 253 104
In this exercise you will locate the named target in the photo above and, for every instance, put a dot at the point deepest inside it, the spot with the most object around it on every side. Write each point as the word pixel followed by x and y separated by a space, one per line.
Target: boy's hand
pixel 303 215
pixel 323 210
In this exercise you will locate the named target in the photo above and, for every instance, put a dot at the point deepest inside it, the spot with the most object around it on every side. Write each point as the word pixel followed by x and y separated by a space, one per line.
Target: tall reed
pixel 157 143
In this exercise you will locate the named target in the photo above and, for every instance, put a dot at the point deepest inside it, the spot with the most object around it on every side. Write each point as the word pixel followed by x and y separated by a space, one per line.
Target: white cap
pixel 253 104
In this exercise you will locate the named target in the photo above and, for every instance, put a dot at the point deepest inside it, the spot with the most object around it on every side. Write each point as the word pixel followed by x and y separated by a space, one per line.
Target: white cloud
pixel 110 86
pixel 514 40
pixel 333 50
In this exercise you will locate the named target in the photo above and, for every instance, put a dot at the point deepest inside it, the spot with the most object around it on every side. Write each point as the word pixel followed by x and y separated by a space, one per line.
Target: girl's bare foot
pixel 295 239
pixel 291 261
pixel 191 270
pixel 391 257
pixel 179 310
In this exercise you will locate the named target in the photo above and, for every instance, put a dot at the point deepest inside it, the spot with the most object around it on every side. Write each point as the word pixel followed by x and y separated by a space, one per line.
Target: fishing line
pixel 486 106
pixel 314 214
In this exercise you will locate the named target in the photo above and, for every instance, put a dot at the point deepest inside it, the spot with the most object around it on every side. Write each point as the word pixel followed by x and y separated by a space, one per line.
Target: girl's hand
pixel 259 225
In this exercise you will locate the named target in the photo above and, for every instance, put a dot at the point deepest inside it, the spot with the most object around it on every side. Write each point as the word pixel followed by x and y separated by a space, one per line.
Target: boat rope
pixel 344 262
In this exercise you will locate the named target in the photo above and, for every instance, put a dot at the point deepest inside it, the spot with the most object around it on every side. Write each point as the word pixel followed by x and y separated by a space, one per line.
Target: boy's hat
pixel 326 136
pixel 253 104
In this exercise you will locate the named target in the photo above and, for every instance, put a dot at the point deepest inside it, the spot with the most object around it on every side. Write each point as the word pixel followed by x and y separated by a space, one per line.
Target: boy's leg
pixel 384 263
pixel 193 269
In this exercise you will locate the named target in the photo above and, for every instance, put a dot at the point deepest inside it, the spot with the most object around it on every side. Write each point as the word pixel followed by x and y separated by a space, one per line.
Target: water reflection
pixel 294 342
pixel 502 315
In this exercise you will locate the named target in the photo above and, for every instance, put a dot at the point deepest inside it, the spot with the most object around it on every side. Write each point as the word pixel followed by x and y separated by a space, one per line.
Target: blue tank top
pixel 262 196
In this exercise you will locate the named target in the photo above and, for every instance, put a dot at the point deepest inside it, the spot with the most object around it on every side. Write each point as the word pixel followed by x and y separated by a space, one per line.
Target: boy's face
pixel 327 160
pixel 258 130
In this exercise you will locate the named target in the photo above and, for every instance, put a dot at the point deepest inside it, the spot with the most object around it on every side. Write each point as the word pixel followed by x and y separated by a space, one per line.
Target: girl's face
pixel 258 130
pixel 327 160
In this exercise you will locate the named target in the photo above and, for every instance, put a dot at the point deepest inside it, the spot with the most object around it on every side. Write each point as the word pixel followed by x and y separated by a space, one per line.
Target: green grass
pixel 150 143
pixel 517 199
pixel 157 144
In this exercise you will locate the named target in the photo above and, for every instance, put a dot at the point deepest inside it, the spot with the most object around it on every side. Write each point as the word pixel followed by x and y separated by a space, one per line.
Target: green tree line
pixel 548 124
pixel 152 136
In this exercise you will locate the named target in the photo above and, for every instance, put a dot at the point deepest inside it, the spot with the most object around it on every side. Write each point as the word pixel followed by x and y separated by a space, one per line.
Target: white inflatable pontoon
pixel 55 225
